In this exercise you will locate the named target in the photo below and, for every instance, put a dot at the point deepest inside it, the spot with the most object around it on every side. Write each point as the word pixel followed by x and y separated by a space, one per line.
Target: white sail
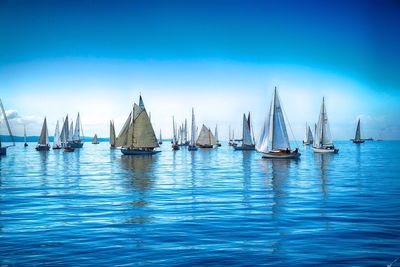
pixel 358 132
pixel 64 132
pixel 216 134
pixel 143 135
pixel 206 137
pixel 160 139
pixel 247 139
pixel 324 137
pixel 71 131
pixel 308 136
pixel 7 124
pixel 174 136
pixel 122 138
pixel 185 136
pixel 274 134
pixel 44 134
pixel 112 134
pixel 77 132
pixel 193 131
pixel 57 139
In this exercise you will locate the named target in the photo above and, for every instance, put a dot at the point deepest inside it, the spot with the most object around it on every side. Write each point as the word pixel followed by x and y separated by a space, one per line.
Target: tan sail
pixel 206 137
pixel 143 132
pixel 44 136
pixel 112 134
pixel 123 135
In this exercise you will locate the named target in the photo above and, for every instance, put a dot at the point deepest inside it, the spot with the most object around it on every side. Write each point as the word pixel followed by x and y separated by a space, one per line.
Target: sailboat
pixel 323 142
pixel 95 141
pixel 308 137
pixel 216 135
pixel 64 136
pixel 175 145
pixel 57 138
pixel 75 136
pixel 274 140
pixel 3 149
pixel 357 139
pixel 25 143
pixel 160 139
pixel 43 143
pixel 206 139
pixel 141 139
pixel 112 135
pixel 192 144
pixel 247 140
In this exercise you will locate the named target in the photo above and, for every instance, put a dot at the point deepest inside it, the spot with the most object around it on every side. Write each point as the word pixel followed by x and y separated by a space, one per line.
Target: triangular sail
pixel 77 132
pixel 122 138
pixel 247 140
pixel 94 141
pixel 143 133
pixel 203 138
pixel 44 134
pixel 160 140
pixel 7 124
pixel 264 139
pixel 358 131
pixel 193 131
pixel 57 139
pixel 216 134
pixel 323 130
pixel 174 137
pixel 71 131
pixel 112 134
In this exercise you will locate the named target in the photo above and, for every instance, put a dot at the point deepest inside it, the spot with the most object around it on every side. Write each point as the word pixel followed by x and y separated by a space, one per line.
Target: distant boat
pixel 75 136
pixel 69 149
pixel 193 131
pixel 57 138
pixel 25 143
pixel 3 149
pixel 43 143
pixel 308 137
pixel 112 135
pixel 175 144
pixel 357 139
pixel 95 141
pixel 274 140
pixel 141 139
pixel 247 140
pixel 216 135
pixel 160 139
pixel 323 142
pixel 206 139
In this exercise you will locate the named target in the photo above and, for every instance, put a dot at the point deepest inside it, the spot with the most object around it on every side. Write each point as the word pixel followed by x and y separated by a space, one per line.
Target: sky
pixel 223 58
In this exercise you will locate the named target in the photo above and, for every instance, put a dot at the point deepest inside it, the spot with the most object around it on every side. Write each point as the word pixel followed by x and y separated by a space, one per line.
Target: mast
pixel 273 118
pixel 358 131
pixel 7 124
pixel 193 130
pixel 216 133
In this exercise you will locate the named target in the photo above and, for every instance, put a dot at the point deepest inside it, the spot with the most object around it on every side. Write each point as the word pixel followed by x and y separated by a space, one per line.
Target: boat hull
pixel 138 152
pixel 175 147
pixel 25 145
pixel 325 150
pixel 69 149
pixel 244 148
pixel 42 148
pixel 75 144
pixel 281 155
pixel 96 143
pixel 3 151
pixel 57 147
pixel 205 146
pixel 307 143
pixel 192 148
pixel 358 141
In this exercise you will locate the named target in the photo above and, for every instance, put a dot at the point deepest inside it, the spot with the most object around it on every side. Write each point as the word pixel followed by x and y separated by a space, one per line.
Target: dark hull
pixel 206 146
pixel 75 145
pixel 138 152
pixel 281 155
pixel 192 148
pixel 57 147
pixel 358 141
pixel 3 151
pixel 42 148
pixel 175 147
pixel 244 148
pixel 69 149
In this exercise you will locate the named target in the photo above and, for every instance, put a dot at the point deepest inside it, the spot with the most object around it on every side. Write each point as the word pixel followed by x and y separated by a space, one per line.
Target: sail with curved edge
pixel 323 132
pixel 57 139
pixel 77 132
pixel 193 131
pixel 122 138
pixel 143 135
pixel 358 132
pixel 112 134
pixel 44 134
pixel 247 139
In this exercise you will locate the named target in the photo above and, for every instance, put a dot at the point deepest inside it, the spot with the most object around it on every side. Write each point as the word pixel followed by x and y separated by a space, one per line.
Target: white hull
pixel 325 150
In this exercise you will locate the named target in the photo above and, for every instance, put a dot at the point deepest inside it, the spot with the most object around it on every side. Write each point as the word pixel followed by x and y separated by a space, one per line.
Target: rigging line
pixel 290 127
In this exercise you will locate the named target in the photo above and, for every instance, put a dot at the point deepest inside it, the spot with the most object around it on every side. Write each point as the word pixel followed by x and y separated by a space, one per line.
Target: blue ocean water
pixel 209 207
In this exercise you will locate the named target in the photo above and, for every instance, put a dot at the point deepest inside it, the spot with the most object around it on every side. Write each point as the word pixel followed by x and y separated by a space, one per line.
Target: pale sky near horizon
pixel 223 58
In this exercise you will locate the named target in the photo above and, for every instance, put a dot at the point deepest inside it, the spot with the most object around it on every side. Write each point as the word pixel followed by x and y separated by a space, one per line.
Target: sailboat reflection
pixel 246 167
pixel 324 161
pixel 139 181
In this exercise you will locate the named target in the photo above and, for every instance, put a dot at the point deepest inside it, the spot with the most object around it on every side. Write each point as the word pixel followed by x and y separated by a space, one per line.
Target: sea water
pixel 207 207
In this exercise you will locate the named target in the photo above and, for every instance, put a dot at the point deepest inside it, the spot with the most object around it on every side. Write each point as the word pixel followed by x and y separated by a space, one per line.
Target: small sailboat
pixel 323 142
pixel 3 149
pixel 95 141
pixel 175 138
pixel 25 143
pixel 357 139
pixel 160 139
pixel 192 144
pixel 308 137
pixel 75 135
pixel 247 140
pixel 141 139
pixel 43 144
pixel 206 139
pixel 112 135
pixel 216 135
pixel 274 140
pixel 57 138
pixel 64 136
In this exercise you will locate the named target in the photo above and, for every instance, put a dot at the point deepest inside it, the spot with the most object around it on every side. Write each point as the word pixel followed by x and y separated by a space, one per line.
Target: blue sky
pixel 222 57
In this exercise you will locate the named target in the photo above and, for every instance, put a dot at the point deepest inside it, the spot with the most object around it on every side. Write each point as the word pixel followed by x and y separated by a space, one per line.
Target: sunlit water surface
pixel 209 207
